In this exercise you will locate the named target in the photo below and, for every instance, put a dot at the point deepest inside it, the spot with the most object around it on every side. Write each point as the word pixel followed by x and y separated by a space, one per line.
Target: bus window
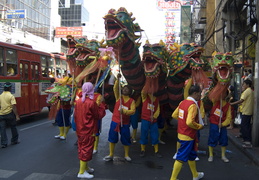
pixel 11 62
pixel 51 67
pixel 36 71
pixel 32 71
pixel 1 62
pixel 63 68
pixel 44 67
pixel 26 74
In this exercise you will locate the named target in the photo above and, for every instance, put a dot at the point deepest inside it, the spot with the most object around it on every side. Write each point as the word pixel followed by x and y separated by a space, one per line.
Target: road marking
pixel 23 129
pixel 6 173
pixel 43 176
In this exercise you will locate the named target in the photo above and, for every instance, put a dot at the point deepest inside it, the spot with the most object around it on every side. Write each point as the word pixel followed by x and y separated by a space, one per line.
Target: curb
pixel 250 153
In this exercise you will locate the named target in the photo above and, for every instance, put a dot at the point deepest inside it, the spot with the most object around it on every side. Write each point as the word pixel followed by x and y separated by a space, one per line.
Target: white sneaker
pixel 225 159
pixel 62 137
pixel 57 136
pixel 197 158
pixel 90 170
pixel 108 158
pixel 210 159
pixel 94 151
pixel 174 157
pixel 127 159
pixel 85 175
pixel 200 175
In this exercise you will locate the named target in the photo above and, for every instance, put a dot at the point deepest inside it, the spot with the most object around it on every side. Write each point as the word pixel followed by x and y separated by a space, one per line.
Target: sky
pixel 147 15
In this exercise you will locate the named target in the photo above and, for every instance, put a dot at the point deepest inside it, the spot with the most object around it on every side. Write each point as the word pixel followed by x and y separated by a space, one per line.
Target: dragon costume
pixel 120 34
pixel 184 63
pixel 222 68
pixel 154 59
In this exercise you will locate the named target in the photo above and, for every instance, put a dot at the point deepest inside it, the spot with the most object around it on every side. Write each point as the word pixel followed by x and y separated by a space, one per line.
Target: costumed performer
pixel 124 108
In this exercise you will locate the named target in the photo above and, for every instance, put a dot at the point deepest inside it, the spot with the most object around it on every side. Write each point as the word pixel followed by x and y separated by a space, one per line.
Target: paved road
pixel 41 157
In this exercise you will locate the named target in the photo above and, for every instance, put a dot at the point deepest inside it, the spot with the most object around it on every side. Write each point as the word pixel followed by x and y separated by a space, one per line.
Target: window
pixel 11 62
pixel 44 67
pixel 1 61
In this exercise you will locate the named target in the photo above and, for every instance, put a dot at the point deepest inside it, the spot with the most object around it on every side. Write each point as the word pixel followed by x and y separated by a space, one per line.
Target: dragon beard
pixel 151 85
pixel 199 77
pixel 219 91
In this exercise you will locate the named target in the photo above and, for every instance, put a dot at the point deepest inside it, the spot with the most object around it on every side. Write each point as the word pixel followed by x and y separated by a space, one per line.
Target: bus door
pixel 24 108
pixel 35 92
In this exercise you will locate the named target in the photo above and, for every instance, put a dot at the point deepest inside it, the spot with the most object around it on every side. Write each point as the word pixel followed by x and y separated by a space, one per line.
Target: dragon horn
pixel 161 42
pixel 214 53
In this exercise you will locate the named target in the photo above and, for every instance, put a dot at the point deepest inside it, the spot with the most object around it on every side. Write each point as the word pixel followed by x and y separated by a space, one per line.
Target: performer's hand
pixel 119 75
pixel 219 125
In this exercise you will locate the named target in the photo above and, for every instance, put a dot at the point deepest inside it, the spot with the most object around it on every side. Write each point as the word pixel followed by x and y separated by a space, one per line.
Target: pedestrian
pixel 124 108
pixel 250 75
pixel 86 117
pixel 231 98
pixel 220 117
pixel 189 121
pixel 246 112
pixel 8 115
pixel 149 114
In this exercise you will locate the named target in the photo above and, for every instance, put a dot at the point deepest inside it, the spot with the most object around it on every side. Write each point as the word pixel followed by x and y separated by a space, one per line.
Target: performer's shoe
pixel 133 140
pixel 127 158
pixel 158 155
pixel 200 175
pixel 95 151
pixel 108 158
pixel 15 142
pixel 90 170
pixel 197 158
pixel 142 153
pixel 174 157
pixel 225 159
pixel 210 159
pixel 62 138
pixel 57 137
pixel 85 175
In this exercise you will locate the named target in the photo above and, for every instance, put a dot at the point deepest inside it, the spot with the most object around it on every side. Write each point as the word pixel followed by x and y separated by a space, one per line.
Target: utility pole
pixel 255 127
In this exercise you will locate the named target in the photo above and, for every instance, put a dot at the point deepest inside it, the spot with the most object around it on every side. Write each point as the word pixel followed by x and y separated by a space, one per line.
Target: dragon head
pixel 222 66
pixel 72 52
pixel 61 91
pixel 188 55
pixel 120 32
pixel 154 59
pixel 87 52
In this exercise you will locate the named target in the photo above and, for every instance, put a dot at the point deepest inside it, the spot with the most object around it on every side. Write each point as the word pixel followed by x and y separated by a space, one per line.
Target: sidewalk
pixel 253 153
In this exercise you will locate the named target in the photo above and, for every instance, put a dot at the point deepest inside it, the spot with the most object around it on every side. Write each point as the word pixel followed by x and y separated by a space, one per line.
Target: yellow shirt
pixel 7 100
pixel 248 103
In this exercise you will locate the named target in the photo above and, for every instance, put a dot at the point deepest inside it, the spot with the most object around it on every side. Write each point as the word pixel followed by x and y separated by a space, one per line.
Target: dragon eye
pixel 219 58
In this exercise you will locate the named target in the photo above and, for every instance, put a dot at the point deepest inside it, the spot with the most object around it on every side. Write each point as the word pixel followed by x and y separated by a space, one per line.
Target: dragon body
pixel 184 63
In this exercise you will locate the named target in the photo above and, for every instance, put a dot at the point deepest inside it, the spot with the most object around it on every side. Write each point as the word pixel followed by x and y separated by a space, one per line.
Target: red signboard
pixel 62 32
pixel 170 5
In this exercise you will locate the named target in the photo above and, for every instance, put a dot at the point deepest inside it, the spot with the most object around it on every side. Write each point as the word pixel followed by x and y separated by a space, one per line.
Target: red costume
pixel 86 117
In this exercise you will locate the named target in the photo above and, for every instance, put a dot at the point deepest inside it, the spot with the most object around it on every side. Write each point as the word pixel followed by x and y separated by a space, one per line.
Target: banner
pixel 62 32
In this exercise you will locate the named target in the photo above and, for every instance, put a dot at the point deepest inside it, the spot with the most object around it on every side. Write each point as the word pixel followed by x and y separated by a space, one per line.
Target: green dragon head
pixel 222 66
pixel 72 52
pixel 188 54
pixel 61 91
pixel 154 59
pixel 120 33
pixel 87 52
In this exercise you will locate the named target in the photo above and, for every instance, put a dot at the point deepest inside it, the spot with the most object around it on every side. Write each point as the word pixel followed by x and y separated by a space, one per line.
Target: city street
pixel 41 157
